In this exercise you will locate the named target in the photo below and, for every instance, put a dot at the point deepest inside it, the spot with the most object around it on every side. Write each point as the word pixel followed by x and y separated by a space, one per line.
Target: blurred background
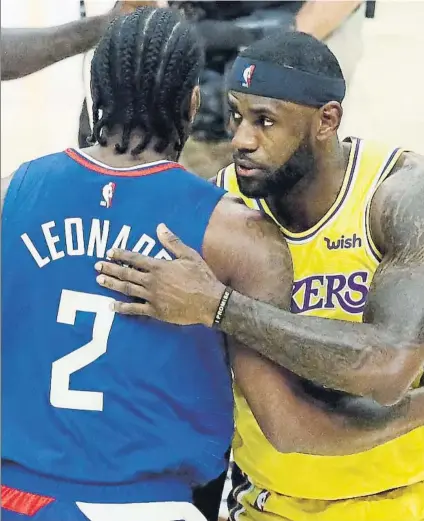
pixel 381 56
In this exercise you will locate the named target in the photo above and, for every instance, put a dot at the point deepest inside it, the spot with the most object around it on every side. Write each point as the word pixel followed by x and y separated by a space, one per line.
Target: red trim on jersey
pixel 148 170
pixel 23 502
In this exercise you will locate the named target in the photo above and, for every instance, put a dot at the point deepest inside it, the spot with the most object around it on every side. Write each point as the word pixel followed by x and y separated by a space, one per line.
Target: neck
pixel 109 156
pixel 310 199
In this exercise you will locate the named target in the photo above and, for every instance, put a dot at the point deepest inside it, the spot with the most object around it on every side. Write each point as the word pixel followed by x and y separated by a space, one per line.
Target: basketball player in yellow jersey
pixel 353 216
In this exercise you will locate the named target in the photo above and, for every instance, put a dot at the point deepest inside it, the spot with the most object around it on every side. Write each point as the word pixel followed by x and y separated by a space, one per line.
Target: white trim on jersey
pixel 168 511
pixel 126 169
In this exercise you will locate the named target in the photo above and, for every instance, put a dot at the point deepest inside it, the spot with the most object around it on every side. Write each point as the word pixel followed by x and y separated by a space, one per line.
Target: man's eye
pixel 235 115
pixel 265 122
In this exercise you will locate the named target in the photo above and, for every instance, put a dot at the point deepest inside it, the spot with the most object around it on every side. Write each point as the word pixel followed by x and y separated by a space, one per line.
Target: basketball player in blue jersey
pixel 106 417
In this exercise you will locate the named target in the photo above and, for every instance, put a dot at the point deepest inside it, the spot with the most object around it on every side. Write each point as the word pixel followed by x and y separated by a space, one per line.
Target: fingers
pixel 134 308
pixel 129 282
pixel 123 286
pixel 172 243
pixel 134 259
pixel 122 273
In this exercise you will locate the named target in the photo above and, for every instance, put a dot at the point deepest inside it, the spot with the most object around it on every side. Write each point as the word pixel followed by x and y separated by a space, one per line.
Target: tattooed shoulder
pixel 397 212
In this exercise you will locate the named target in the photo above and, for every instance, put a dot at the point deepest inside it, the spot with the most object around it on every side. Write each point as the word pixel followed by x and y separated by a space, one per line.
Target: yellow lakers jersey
pixel 334 263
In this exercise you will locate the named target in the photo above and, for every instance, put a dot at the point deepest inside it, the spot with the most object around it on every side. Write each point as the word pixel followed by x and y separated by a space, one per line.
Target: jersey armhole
pixel 220 178
pixel 385 173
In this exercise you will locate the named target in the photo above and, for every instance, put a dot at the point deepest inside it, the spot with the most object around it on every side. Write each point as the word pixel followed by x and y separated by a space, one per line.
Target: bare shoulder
pixel 247 250
pixel 5 183
pixel 233 219
pixel 409 160
pixel 397 211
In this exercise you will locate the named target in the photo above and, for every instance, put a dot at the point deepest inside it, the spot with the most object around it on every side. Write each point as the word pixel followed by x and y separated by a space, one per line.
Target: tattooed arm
pixel 382 356
pixel 296 416
pixel 247 252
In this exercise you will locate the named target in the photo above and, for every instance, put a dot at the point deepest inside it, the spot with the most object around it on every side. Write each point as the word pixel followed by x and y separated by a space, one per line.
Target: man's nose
pixel 245 138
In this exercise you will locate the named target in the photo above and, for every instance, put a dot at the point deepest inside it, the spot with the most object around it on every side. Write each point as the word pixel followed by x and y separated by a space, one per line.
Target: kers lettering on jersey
pixel 345 290
pixel 74 236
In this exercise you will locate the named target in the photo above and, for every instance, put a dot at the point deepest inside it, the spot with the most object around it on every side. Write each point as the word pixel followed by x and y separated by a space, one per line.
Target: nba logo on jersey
pixel 248 75
pixel 107 193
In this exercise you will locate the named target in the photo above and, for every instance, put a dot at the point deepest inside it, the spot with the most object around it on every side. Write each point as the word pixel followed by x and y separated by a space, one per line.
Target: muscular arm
pixel 295 418
pixel 24 51
pixel 247 251
pixel 295 415
pixel 380 357
pixel 322 18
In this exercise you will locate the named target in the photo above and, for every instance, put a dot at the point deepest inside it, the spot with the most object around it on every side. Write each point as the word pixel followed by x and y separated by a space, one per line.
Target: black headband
pixel 285 83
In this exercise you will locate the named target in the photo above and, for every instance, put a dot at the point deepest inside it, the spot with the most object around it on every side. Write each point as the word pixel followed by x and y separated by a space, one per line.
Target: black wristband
pixel 219 315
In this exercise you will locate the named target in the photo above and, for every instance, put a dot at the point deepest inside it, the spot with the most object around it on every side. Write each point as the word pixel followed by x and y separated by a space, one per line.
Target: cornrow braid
pixel 142 75
pixel 181 105
pixel 141 104
pixel 103 101
pixel 127 48
pixel 164 84
pixel 151 61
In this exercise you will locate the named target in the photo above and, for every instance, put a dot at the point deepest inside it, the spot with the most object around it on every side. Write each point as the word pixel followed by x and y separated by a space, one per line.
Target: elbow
pixel 388 383
pixel 384 391
pixel 389 397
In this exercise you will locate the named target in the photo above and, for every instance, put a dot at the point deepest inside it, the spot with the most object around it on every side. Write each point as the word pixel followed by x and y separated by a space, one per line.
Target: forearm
pixel 320 17
pixel 297 416
pixel 25 51
pixel 356 358
pixel 340 433
pixel 362 424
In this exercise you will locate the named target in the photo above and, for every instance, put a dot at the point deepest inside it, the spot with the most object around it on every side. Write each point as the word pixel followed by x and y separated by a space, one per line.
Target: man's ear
pixel 330 116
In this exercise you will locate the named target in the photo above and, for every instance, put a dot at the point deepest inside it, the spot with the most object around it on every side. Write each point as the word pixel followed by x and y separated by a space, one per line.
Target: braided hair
pixel 142 75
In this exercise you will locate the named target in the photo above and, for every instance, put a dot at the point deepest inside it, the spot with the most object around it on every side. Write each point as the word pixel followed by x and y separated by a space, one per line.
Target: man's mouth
pixel 247 168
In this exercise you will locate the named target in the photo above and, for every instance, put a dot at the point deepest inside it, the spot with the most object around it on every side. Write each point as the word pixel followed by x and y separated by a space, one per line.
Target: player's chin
pixel 253 186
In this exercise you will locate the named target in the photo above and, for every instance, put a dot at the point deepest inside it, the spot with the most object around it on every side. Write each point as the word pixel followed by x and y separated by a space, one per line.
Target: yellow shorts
pixel 251 503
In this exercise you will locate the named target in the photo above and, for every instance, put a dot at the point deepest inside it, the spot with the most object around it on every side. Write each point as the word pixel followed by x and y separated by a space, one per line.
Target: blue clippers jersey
pixel 90 397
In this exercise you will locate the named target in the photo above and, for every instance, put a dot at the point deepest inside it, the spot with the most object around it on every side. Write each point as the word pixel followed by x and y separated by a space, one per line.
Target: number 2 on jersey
pixel 70 303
